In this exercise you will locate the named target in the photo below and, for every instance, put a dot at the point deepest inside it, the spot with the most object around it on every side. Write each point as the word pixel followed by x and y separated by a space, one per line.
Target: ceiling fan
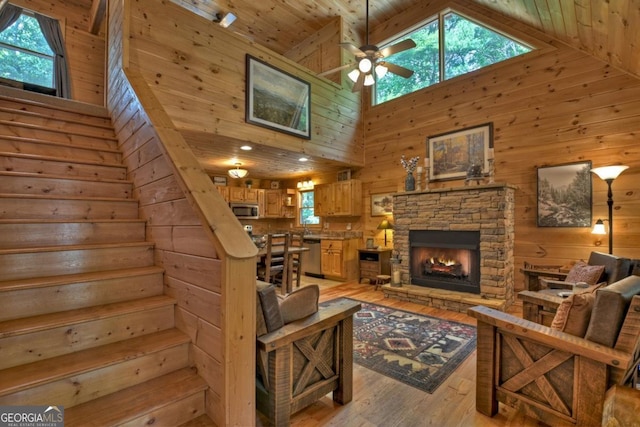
pixel 369 60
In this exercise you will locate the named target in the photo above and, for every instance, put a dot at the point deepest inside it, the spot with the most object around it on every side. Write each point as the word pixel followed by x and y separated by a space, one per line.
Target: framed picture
pixel 452 154
pixel 275 185
pixel 277 100
pixel 220 180
pixel 564 195
pixel 381 204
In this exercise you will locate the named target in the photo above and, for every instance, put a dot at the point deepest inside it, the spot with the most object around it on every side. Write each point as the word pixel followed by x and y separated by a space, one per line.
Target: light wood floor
pixel 381 401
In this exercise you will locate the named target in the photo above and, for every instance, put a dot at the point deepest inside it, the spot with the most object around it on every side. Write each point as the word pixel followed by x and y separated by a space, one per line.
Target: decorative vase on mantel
pixel 409 182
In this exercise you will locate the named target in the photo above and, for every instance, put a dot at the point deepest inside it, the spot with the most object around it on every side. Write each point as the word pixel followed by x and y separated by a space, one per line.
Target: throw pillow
pixel 574 313
pixel 583 272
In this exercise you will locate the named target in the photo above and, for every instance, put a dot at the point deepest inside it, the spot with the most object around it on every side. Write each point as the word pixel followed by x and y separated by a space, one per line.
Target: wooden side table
pixel 540 306
pixel 374 262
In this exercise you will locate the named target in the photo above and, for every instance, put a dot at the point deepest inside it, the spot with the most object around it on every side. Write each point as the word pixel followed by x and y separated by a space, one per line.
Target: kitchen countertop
pixel 332 236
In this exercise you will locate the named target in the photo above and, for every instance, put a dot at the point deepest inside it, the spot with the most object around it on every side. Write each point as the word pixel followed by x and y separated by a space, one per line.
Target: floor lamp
pixel 608 174
pixel 385 225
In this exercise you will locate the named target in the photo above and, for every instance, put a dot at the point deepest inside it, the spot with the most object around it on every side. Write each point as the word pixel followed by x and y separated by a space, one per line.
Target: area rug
pixel 418 350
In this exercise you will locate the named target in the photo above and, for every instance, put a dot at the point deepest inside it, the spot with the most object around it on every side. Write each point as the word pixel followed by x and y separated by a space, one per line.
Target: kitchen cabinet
pixel 374 262
pixel 261 204
pixel 243 194
pixel 338 258
pixel 273 203
pixel 342 198
pixel 224 190
pixel 280 203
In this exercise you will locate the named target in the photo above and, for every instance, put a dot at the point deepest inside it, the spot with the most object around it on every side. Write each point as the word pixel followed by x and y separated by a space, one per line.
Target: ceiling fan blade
pixel 357 86
pixel 398 47
pixel 354 50
pixel 333 70
pixel 396 69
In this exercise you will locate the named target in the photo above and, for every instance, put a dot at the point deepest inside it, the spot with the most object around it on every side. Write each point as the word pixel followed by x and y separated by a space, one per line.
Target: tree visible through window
pixel 468 46
pixel 25 55
pixel 307 216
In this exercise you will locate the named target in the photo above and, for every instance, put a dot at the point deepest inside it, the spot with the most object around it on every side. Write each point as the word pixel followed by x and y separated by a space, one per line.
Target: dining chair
pixel 275 266
pixel 294 273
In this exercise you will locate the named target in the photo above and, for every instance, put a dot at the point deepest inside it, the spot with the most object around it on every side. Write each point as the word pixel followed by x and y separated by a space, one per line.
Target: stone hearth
pixel 489 209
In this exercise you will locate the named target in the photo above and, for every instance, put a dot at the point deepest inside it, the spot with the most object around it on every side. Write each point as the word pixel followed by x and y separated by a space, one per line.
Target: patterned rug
pixel 415 349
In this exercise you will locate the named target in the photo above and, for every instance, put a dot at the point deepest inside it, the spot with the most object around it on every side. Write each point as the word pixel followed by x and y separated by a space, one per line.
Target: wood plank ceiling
pixel 600 28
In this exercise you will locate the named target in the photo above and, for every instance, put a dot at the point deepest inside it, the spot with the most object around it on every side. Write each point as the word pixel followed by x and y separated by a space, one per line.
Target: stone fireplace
pixel 456 246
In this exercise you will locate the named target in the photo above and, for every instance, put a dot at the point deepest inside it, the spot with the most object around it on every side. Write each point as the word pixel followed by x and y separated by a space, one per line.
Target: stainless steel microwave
pixel 245 210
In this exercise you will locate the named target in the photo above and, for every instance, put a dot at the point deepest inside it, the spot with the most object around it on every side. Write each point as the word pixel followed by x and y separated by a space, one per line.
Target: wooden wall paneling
pixel 216 61
pixel 552 107
pixel 321 51
pixel 203 303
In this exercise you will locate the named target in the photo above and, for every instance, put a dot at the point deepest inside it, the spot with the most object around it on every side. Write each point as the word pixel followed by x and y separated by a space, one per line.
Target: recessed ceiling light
pixel 246 148
pixel 303 159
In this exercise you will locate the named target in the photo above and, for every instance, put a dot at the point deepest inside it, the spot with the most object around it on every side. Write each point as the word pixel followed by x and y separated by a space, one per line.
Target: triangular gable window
pixel 468 46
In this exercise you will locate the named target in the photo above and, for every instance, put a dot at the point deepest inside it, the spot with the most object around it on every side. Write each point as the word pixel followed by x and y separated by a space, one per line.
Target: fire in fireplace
pixel 445 259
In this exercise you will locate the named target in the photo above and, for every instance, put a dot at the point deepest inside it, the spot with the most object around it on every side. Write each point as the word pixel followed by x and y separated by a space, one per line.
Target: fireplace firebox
pixel 445 259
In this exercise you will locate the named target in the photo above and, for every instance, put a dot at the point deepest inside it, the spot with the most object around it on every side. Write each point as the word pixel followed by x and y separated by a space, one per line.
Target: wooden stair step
pixel 47 110
pixel 27 233
pixel 15 206
pixel 27 130
pixel 28 325
pixel 31 183
pixel 42 147
pixel 43 295
pixel 150 403
pixel 52 165
pixel 23 263
pixel 35 338
pixel 78 377
pixel 44 120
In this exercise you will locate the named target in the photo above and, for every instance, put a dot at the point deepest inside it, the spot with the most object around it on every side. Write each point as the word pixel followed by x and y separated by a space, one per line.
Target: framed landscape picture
pixel 277 100
pixel 381 204
pixel 564 195
pixel 451 154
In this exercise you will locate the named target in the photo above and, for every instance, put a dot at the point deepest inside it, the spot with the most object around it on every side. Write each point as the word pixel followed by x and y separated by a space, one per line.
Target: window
pixel 466 46
pixel 306 213
pixel 25 55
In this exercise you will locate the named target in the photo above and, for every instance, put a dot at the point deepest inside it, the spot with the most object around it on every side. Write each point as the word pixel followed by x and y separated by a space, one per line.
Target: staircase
pixel 84 323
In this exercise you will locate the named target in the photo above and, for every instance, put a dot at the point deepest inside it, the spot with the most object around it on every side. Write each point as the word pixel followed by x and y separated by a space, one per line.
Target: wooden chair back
pixel 294 274
pixel 275 262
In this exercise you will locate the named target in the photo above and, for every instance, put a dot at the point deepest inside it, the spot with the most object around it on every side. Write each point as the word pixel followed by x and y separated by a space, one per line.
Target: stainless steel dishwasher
pixel 312 263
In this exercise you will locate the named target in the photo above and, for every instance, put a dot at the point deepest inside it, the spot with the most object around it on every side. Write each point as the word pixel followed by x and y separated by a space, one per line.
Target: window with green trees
pixel 306 214
pixel 25 55
pixel 467 46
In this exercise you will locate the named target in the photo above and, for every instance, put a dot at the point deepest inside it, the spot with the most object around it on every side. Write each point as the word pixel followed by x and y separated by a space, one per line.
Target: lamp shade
pixel 385 225
pixel 609 172
pixel 237 172
pixel 599 228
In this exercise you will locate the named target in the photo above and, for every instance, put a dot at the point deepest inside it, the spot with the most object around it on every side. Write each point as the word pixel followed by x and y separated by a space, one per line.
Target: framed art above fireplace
pixel 451 154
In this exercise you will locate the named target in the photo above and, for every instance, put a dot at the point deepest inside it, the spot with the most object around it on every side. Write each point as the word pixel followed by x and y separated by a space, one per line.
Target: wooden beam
pixel 96 16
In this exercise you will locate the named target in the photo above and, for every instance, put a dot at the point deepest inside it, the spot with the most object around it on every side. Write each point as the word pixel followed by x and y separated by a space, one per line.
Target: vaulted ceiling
pixel 607 29
pixel 601 28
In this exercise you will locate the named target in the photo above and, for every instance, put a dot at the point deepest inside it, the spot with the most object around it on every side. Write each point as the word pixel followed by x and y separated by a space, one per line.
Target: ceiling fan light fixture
pixel 369 80
pixel 364 65
pixel 354 74
pixel 381 70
